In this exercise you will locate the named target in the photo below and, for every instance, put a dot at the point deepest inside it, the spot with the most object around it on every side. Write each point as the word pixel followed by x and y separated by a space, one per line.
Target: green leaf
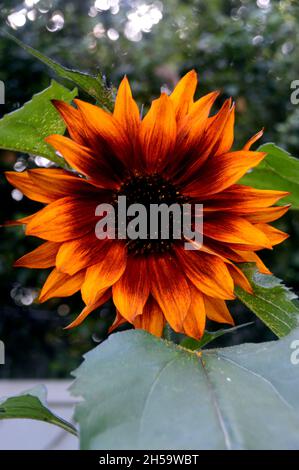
pixel 32 405
pixel 272 302
pixel 278 171
pixel 24 130
pixel 141 392
pixel 94 86
pixel 209 336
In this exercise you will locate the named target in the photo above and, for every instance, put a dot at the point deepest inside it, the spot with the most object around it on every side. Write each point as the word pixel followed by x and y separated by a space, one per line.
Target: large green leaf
pixel 141 392
pixel 279 171
pixel 32 405
pixel 92 85
pixel 25 129
pixel 272 302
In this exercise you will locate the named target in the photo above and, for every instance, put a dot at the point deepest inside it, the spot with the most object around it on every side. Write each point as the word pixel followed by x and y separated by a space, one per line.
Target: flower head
pixel 177 153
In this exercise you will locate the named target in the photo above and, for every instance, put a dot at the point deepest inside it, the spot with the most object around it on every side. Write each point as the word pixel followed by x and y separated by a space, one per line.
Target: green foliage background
pixel 248 52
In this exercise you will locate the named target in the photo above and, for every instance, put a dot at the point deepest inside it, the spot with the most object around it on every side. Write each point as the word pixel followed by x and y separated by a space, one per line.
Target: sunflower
pixel 177 152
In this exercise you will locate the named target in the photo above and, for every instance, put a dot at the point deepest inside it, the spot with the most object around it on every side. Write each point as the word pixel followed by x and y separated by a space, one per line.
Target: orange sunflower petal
pixel 239 278
pixel 131 291
pixel 182 95
pixel 243 198
pixel 207 272
pixel 61 285
pixel 73 119
pixel 195 320
pixel 105 273
pixel 158 133
pixel 125 109
pixel 217 310
pixel 43 256
pixel 23 182
pixel 82 159
pixel 170 289
pixel 215 128
pixel 270 214
pixel 103 129
pixel 226 139
pixel 81 253
pixel 14 223
pixel 60 183
pixel 48 184
pixel 221 249
pixel 202 107
pixel 193 126
pixel 118 321
pixel 233 229
pixel 251 257
pixel 273 234
pixel 152 318
pixel 88 309
pixel 253 139
pixel 65 219
pixel 227 255
pixel 217 175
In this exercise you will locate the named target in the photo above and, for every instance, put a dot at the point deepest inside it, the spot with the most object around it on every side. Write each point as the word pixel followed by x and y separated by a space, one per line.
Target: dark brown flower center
pixel 148 190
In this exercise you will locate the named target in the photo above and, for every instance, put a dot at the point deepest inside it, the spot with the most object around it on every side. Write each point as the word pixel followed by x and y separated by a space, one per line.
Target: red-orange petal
pixel 65 219
pixel 253 139
pixel 182 95
pixel 170 289
pixel 208 145
pixel 239 278
pixel 152 318
pixel 226 139
pixel 84 161
pixel 273 234
pixel 216 310
pixel 218 174
pixel 118 321
pixel 46 185
pixel 269 214
pixel 103 129
pixel 192 128
pixel 43 256
pixel 23 182
pixel 61 285
pixel 158 134
pixel 131 291
pixel 73 120
pixel 195 320
pixel 126 110
pixel 14 223
pixel 81 253
pixel 207 272
pixel 105 273
pixel 239 198
pixel 59 183
pixel 251 257
pixel 88 309
pixel 233 229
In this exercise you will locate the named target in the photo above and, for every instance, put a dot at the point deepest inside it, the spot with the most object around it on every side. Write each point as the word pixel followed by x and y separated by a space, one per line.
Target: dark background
pixel 248 49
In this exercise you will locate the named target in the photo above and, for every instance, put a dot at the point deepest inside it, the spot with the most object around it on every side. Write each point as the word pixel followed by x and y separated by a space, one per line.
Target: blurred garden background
pixel 246 48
